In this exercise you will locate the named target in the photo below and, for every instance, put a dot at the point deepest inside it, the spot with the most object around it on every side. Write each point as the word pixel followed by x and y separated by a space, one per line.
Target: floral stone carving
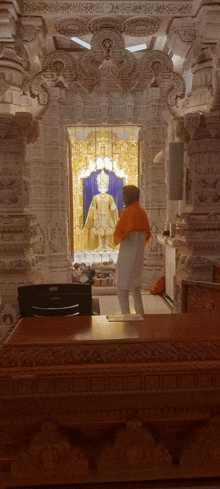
pixel 99 23
pixel 75 26
pixel 107 42
pixel 141 26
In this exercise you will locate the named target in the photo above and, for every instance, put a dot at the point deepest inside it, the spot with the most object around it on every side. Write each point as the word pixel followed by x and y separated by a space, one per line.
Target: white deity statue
pixel 101 219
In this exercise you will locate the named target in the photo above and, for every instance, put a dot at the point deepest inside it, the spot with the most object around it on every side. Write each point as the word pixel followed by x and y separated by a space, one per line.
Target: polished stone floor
pixel 153 304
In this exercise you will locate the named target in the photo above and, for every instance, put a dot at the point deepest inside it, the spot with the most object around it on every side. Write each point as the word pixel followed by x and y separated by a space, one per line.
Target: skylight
pixel 82 43
pixel 138 47
pixel 132 49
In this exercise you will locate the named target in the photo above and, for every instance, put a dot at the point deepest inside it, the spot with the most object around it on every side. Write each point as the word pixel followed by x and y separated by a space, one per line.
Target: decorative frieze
pixel 98 7
pixel 130 452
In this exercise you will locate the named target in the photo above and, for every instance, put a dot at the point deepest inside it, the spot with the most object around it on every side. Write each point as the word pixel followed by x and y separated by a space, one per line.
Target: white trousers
pixel 130 260
pixel 123 297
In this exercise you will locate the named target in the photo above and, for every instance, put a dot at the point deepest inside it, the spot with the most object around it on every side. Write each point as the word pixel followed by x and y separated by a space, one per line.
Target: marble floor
pixel 153 304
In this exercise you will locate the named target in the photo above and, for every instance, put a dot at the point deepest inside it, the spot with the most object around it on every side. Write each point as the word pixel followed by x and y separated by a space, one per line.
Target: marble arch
pixel 75 96
pixel 67 109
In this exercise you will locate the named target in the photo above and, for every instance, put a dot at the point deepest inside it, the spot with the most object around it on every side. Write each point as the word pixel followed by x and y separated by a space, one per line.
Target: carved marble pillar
pixel 49 193
pixel 153 191
pixel 198 228
pixel 11 62
pixel 173 206
pixel 17 224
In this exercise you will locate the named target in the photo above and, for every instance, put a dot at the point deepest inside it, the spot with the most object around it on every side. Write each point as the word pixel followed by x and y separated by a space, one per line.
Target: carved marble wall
pixel 198 227
pixel 17 223
pixel 153 192
pixel 49 193
pixel 197 124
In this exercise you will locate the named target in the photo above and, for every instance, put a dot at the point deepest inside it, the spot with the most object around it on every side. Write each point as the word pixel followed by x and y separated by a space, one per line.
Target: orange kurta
pixel 132 218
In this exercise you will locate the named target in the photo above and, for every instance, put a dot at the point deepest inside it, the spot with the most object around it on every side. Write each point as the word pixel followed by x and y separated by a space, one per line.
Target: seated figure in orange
pixel 133 233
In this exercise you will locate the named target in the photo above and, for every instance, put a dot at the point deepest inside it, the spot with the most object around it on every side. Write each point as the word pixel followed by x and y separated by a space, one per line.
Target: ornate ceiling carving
pixel 27 33
pixel 140 26
pixel 28 28
pixel 148 60
pixel 186 33
pixel 108 67
pixel 75 26
pixel 110 28
pixel 87 72
pixel 58 62
pixel 113 27
pixel 110 22
pixel 137 26
pixel 107 43
pixel 128 72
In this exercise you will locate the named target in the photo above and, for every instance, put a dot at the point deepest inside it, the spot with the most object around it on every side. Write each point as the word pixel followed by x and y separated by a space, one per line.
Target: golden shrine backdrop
pixel 94 148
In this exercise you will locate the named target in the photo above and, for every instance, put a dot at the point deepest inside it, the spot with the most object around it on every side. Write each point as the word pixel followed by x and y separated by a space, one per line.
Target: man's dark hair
pixel 132 192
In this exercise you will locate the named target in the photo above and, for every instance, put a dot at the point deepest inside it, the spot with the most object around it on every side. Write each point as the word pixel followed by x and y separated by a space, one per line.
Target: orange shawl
pixel 132 218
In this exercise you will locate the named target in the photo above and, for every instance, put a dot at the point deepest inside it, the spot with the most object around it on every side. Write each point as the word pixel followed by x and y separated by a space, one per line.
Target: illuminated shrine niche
pixel 103 159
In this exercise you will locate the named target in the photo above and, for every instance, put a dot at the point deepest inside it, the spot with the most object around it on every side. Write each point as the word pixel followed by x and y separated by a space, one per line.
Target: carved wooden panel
pixel 216 273
pixel 142 407
pixel 200 297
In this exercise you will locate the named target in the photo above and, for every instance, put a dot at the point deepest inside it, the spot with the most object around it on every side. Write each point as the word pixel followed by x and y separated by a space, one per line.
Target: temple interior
pixel 95 95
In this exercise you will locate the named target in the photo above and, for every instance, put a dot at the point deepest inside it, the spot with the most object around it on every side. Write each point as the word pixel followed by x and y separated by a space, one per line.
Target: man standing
pixel 133 233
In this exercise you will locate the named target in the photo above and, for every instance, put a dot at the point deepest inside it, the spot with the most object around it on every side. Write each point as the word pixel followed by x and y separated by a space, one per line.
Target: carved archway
pixel 108 86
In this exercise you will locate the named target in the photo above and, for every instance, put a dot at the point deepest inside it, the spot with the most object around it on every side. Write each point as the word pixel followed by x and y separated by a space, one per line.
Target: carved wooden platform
pixel 200 297
pixel 88 401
